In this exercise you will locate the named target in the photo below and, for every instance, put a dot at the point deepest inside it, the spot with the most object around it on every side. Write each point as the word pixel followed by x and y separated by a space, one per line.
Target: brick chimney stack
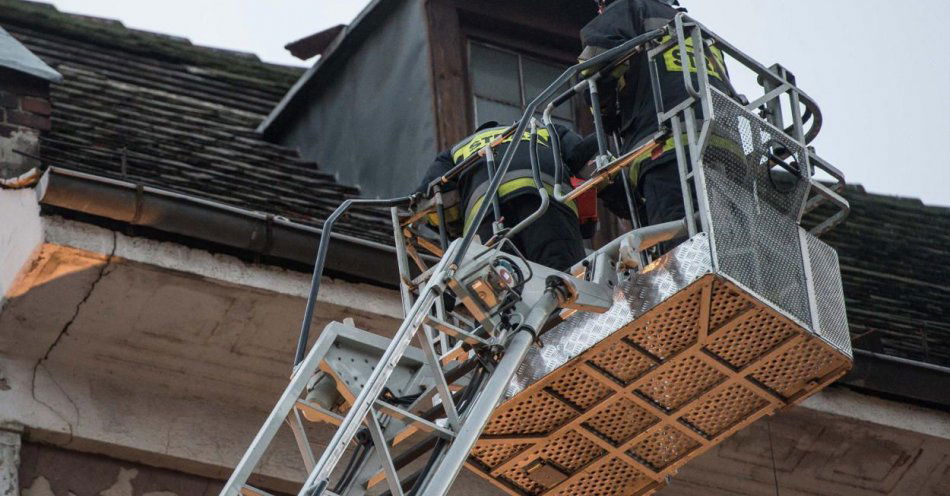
pixel 24 114
pixel 25 111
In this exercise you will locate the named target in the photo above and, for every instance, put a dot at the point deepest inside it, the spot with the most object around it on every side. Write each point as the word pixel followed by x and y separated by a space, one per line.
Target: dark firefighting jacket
pixel 471 186
pixel 632 90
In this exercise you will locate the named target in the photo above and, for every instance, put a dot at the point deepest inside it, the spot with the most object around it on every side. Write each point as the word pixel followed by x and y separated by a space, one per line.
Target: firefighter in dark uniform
pixel 554 240
pixel 629 106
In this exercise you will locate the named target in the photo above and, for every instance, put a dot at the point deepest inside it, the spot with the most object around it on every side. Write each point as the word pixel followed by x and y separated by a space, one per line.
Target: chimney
pixel 25 111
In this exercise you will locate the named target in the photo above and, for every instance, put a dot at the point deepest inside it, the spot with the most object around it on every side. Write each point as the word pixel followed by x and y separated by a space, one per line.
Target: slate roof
pixel 895 266
pixel 182 115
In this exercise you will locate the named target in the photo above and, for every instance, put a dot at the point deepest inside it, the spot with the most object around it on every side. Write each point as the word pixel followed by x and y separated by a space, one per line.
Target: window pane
pixel 487 110
pixel 537 77
pixel 494 74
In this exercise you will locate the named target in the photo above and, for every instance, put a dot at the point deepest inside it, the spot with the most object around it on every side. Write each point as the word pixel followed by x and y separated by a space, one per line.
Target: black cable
pixel 359 456
pixel 389 397
pixel 440 444
pixel 533 158
pixel 535 170
pixel 462 399
pixel 628 194
pixel 350 471
pixel 417 483
pixel 443 228
pixel 559 174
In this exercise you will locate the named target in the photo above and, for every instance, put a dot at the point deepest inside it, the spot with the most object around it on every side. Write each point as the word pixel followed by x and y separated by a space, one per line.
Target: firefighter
pixel 554 240
pixel 628 104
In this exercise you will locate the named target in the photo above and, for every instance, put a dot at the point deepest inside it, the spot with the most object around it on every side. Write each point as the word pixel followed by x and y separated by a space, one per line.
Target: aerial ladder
pixel 608 378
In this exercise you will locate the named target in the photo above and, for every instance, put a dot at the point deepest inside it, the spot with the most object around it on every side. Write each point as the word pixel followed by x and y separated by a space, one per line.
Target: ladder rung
pixel 455 354
pixel 455 332
pixel 422 278
pixel 422 423
pixel 310 407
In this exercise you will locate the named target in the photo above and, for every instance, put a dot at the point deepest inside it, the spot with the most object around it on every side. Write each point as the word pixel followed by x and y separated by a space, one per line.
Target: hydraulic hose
pixel 539 183
pixel 555 147
pixel 465 401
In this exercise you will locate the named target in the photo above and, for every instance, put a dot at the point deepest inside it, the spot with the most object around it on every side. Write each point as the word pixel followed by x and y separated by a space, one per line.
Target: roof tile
pixel 182 115
pixel 896 275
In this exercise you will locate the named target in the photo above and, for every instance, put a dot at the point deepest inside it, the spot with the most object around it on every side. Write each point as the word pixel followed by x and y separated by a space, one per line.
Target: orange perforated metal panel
pixel 663 388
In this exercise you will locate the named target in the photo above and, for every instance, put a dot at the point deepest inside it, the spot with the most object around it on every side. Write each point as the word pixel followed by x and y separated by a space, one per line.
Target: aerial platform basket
pixel 735 323
pixel 657 358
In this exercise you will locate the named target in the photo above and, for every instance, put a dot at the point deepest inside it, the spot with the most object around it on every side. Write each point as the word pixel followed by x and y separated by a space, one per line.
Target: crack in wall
pixel 63 332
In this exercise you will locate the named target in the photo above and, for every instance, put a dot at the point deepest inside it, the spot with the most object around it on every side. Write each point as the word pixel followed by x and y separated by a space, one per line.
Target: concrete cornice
pixel 840 401
pixel 224 268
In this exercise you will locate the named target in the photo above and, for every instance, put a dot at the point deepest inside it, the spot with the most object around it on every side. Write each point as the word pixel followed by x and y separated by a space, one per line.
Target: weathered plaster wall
pixel 164 356
pixel 803 452
pixel 800 452
pixel 157 425
pixel 160 354
pixel 21 233
pixel 50 471
pixel 911 418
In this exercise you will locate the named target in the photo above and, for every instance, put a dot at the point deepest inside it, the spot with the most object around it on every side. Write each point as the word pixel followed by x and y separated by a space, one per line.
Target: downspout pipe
pixel 245 230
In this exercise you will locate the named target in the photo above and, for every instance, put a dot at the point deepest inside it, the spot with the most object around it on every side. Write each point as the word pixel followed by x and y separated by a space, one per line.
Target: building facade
pixel 160 207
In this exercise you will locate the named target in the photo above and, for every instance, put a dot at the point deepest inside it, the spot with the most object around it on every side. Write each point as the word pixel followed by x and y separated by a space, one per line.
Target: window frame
pixel 527 25
pixel 521 57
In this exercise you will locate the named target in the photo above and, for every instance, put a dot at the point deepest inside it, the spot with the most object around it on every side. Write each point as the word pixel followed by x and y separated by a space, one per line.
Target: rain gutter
pixel 248 231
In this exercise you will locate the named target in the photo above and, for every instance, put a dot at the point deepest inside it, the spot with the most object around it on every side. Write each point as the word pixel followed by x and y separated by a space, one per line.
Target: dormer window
pixel 503 82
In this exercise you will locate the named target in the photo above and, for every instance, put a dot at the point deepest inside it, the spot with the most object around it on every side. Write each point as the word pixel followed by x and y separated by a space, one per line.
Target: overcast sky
pixel 880 69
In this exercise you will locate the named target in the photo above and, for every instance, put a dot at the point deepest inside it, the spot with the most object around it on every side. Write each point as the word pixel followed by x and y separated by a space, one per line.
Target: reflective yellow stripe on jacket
pixel 506 189
pixel 674 63
pixel 452 214
pixel 482 139
pixel 714 141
